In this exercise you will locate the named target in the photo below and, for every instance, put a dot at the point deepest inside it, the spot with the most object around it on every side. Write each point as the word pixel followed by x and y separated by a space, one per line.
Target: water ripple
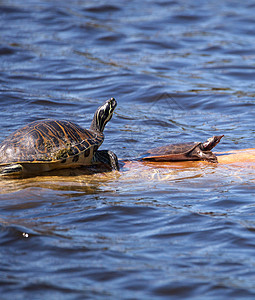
pixel 180 72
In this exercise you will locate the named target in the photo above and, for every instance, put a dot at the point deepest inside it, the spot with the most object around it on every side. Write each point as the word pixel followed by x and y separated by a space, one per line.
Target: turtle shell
pixel 51 141
pixel 172 152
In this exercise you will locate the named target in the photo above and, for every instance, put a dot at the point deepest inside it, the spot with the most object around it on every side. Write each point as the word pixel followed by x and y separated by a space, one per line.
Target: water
pixel 180 71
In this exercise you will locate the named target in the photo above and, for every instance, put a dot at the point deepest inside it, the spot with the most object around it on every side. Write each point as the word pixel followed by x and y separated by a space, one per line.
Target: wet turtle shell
pixel 50 144
pixel 184 151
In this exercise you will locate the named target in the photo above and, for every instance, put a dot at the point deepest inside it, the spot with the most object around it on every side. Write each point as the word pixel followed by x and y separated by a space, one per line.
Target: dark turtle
pixel 184 151
pixel 50 144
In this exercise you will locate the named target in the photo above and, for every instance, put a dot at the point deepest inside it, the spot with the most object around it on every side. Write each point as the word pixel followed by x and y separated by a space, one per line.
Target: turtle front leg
pixel 106 157
pixel 208 156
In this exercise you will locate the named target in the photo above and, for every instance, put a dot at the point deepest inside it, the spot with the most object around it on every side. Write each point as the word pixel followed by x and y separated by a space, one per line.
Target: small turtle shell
pixel 49 140
pixel 172 152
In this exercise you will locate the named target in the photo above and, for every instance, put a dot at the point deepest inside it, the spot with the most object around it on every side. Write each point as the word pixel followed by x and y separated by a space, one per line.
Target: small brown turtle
pixel 184 151
pixel 51 144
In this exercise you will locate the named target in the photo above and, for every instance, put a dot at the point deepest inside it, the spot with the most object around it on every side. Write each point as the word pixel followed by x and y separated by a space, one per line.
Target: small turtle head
pixel 103 115
pixel 212 142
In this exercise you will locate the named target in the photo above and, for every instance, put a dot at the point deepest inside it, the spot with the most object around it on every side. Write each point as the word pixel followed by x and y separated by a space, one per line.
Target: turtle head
pixel 103 115
pixel 212 142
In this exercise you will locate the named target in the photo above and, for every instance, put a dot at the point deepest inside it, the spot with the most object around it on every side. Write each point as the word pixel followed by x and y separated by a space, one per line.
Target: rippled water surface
pixel 180 71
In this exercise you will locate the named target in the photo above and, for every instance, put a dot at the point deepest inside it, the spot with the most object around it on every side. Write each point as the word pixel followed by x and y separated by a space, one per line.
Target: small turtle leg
pixel 206 155
pixel 108 158
pixel 13 169
pixel 209 156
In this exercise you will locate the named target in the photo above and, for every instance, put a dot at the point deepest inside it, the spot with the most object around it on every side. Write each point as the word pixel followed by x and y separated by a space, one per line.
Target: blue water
pixel 180 71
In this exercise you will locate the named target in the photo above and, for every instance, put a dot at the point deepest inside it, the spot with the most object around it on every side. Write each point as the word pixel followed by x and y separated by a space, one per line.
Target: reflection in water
pixel 86 180
pixel 93 180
